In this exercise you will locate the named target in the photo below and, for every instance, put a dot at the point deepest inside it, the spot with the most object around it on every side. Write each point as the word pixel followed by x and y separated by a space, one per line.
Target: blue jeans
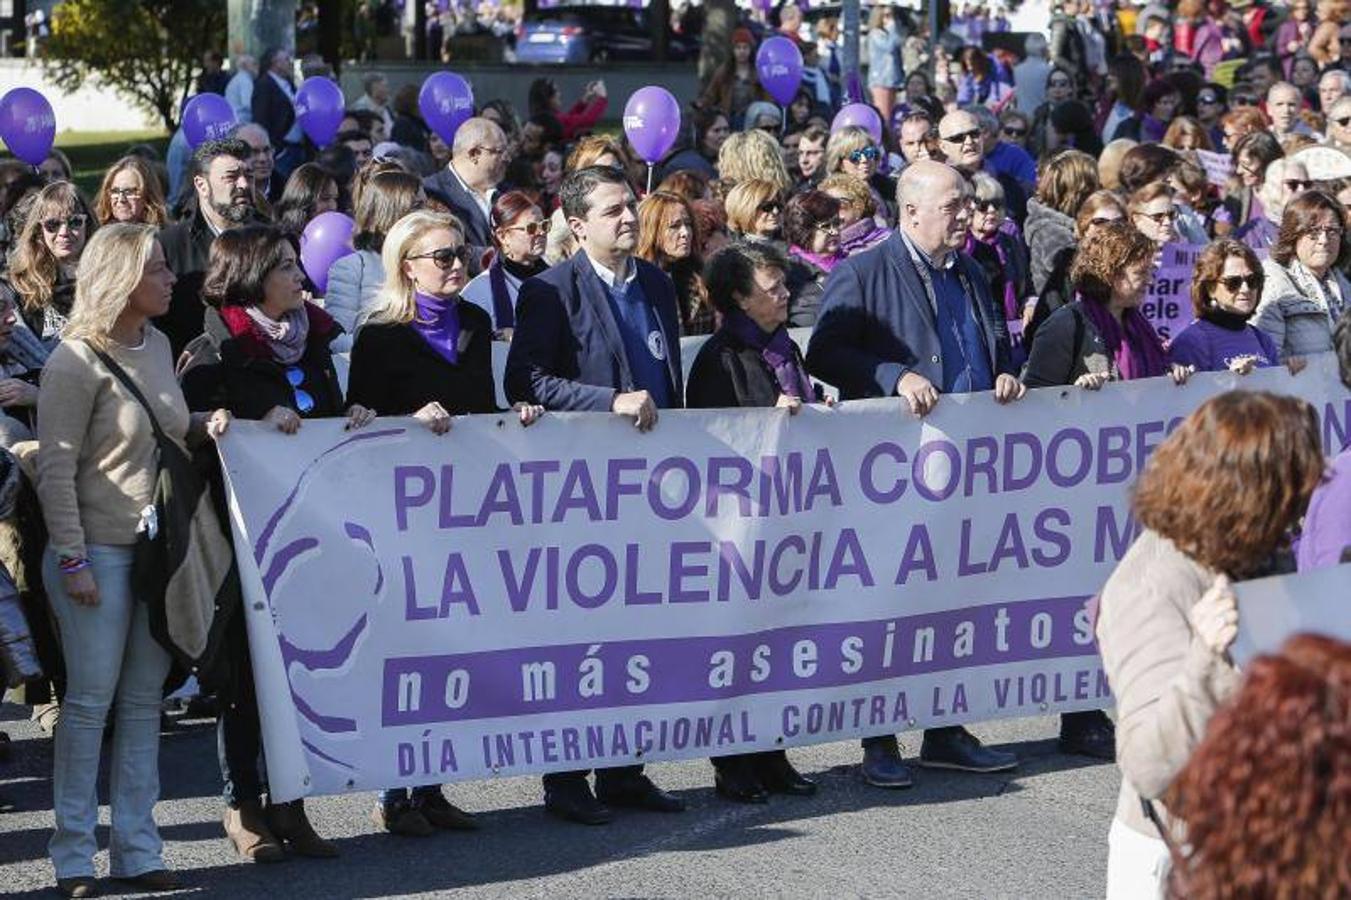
pixel 109 655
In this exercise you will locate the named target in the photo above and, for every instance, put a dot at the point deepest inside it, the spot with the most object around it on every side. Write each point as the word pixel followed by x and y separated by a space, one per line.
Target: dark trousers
pixel 611 776
pixel 239 738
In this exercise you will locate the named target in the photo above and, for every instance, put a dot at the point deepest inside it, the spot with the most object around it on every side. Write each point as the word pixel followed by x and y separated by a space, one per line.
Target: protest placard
pixel 503 600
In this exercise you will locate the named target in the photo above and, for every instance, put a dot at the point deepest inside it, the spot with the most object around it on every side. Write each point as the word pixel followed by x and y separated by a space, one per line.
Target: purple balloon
pixel 326 239
pixel 859 115
pixel 652 122
pixel 319 109
pixel 446 102
pixel 207 117
pixel 27 125
pixel 779 64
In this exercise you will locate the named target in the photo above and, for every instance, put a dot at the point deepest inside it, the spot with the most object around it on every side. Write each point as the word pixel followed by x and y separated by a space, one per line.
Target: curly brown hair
pixel 1266 797
pixel 1098 262
pixel 1210 265
pixel 1229 483
pixel 1299 218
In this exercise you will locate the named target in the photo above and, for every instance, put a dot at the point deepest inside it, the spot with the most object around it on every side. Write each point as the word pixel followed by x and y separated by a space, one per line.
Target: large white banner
pixel 578 594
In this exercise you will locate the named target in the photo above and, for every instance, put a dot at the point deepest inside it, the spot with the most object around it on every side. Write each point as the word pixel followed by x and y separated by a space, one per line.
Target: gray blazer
pixel 1299 324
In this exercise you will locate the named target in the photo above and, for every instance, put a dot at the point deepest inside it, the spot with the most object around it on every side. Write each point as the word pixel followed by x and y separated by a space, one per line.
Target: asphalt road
pixel 1038 832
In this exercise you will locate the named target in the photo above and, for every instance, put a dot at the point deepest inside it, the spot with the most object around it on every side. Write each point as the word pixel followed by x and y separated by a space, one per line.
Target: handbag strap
pixel 127 382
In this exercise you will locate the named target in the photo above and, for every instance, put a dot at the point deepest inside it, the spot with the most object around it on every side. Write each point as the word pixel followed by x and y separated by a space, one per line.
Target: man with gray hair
pixel 1029 76
pixel 1284 102
pixel 375 98
pixel 1332 87
pixel 478 160
pixel 913 317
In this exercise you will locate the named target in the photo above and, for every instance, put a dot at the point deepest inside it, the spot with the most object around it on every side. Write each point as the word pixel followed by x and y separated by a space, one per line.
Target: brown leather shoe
pixel 247 829
pixel 290 824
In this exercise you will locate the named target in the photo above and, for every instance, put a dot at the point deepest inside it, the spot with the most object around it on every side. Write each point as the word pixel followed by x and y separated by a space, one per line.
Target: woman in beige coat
pixel 1216 502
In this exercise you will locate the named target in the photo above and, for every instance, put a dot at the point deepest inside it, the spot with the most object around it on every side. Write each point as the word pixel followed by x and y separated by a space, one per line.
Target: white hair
pixel 472 133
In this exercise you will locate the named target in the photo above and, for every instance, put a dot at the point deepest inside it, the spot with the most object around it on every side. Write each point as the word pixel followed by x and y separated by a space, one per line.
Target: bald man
pixel 468 183
pixel 913 317
pixel 962 141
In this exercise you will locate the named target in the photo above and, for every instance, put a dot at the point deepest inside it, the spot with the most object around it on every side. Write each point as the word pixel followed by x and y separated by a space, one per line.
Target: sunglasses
pixel 1233 283
pixel 1014 132
pixel 962 137
pixel 770 207
pixel 295 376
pixel 1298 184
pixel 860 155
pixel 446 257
pixel 531 228
pixel 74 222
pixel 989 205
pixel 1241 100
pixel 1343 121
pixel 1207 99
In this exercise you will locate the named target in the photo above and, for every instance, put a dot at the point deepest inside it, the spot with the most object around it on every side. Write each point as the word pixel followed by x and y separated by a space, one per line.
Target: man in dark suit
pixel 913 317
pixel 222 177
pixel 600 333
pixel 478 160
pixel 274 108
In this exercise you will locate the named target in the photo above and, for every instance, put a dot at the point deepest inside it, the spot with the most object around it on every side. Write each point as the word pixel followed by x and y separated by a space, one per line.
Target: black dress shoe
pixel 779 777
pixel 882 766
pixel 734 779
pixel 957 748
pixel 637 792
pixel 1088 734
pixel 79 886
pixel 573 801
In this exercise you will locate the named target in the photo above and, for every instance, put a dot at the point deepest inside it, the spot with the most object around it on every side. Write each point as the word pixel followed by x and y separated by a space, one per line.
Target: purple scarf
pixel 1136 347
pixel 820 260
pixel 438 321
pixel 777 350
pixel 862 235
pixel 1011 310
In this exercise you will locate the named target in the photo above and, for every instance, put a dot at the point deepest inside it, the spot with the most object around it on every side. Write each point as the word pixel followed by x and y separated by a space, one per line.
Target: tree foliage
pixel 147 50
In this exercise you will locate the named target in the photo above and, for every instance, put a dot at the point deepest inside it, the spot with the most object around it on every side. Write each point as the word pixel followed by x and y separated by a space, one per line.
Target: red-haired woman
pixel 1217 502
pixel 1266 798
pixel 520 232
pixel 668 237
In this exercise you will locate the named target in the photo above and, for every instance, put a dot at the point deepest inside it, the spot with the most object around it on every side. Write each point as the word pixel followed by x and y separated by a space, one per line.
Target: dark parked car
pixel 588 34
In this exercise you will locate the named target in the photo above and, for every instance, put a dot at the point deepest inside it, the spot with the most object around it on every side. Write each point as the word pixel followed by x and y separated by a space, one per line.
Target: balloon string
pixel 649 178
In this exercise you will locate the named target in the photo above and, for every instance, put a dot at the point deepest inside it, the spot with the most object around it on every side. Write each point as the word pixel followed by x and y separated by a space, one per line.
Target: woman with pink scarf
pixel 812 228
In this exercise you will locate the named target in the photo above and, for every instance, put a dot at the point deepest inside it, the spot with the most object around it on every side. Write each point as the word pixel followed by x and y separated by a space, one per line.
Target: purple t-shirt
pixel 1210 347
pixel 1327 526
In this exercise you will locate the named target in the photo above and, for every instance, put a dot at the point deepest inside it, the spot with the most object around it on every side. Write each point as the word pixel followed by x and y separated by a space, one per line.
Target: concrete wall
pixel 88 109
pixel 512 82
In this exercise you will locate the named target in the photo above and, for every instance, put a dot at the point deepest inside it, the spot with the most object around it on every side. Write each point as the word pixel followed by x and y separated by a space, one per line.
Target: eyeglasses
pixel 491 151
pixel 446 257
pixel 530 228
pixel 1328 232
pixel 989 205
pixel 74 222
pixel 863 153
pixel 1159 218
pixel 295 376
pixel 125 193
pixel 1232 283
pixel 961 137
pixel 1298 184
pixel 770 207
pixel 1241 100
pixel 1014 132
pixel 831 226
pixel 1208 99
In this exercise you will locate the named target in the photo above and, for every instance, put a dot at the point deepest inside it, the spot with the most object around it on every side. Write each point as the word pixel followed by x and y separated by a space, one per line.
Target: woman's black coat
pixel 396 373
pixel 727 372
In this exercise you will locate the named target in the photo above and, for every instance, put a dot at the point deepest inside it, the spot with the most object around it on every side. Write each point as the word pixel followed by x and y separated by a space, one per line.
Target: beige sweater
pixel 97 457
pixel 1167 683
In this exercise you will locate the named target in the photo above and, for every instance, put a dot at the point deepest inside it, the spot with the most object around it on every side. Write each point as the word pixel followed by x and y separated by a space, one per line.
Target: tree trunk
pixel 419 30
pixel 659 26
pixel 331 18
pixel 720 20
pixel 850 25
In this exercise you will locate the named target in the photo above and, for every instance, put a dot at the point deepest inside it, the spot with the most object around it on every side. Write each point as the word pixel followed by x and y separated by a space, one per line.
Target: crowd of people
pixel 987 207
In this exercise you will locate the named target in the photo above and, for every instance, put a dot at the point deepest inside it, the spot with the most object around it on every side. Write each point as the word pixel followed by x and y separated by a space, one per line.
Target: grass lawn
pixel 91 152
